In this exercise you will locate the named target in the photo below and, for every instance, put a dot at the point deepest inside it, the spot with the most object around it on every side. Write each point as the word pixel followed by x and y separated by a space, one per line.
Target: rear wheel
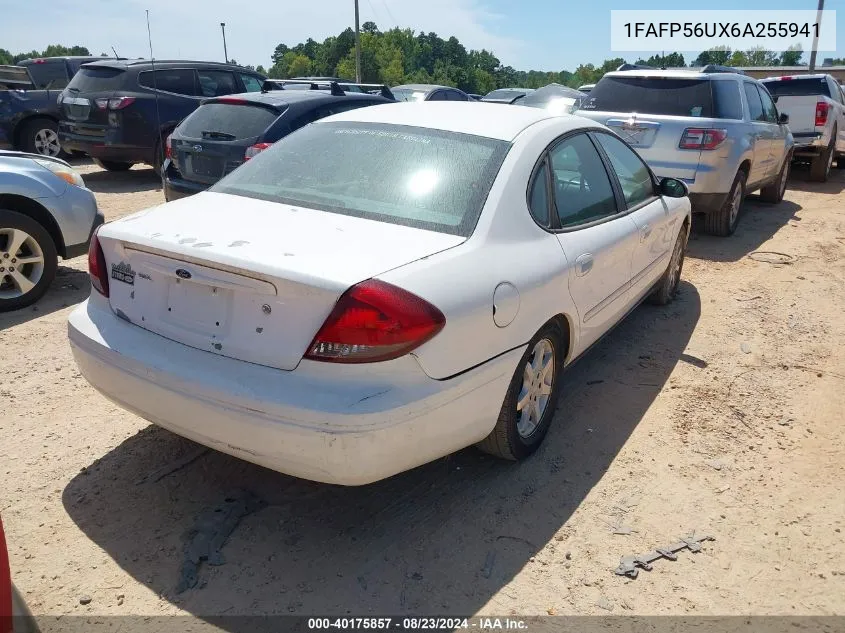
pixel 28 260
pixel 840 161
pixel 773 192
pixel 821 164
pixel 112 165
pixel 531 399
pixel 723 222
pixel 41 136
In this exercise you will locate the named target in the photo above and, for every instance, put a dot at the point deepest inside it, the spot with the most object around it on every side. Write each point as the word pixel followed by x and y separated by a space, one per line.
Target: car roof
pixel 675 74
pixel 465 117
pixel 284 97
pixel 165 63
pixel 34 60
pixel 423 87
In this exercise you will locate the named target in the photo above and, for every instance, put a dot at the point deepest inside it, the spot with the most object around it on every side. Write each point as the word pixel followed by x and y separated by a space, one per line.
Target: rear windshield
pixel 652 95
pixel 412 176
pixel 798 87
pixel 503 94
pixel 48 74
pixel 406 94
pixel 97 79
pixel 236 121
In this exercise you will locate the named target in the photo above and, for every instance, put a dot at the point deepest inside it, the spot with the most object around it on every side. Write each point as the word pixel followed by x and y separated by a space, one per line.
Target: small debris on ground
pixel 85 600
pixel 604 603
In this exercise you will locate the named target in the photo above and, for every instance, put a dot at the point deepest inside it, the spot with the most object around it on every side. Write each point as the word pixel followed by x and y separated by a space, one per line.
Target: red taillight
pixel 118 103
pixel 231 100
pixel 5 587
pixel 375 321
pixel 168 146
pixel 702 138
pixel 822 108
pixel 97 266
pixel 255 150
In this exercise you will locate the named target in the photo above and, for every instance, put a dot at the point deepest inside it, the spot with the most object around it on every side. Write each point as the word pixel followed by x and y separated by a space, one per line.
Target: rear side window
pixel 251 82
pixel 181 81
pixel 233 121
pixel 727 103
pixel 49 74
pixel 411 176
pixel 652 95
pixel 216 83
pixel 797 87
pixel 755 105
pixel 97 79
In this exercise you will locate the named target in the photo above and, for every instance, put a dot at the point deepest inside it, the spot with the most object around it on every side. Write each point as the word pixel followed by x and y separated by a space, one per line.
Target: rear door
pixel 211 142
pixel 762 134
pixel 778 132
pixel 597 237
pixel 651 113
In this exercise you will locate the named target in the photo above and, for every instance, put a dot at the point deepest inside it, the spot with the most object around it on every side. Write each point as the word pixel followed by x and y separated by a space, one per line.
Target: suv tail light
pixel 702 138
pixel 255 150
pixel 168 146
pixel 375 321
pixel 6 621
pixel 822 108
pixel 97 266
pixel 118 103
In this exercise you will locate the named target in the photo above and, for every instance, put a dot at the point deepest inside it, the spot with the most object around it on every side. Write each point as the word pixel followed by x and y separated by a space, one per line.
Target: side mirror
pixel 783 119
pixel 673 188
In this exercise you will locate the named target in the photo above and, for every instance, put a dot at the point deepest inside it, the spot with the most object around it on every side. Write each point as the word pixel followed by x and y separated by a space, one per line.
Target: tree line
pixel 402 56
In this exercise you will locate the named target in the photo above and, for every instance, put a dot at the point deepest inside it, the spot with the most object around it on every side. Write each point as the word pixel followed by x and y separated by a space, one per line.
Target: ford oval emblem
pixel 184 274
pixel 197 148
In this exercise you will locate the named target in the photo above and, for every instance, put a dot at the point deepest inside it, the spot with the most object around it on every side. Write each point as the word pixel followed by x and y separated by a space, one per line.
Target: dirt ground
pixel 721 414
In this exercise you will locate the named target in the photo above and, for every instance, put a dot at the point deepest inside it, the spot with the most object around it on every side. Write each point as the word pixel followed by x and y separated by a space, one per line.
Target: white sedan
pixel 381 288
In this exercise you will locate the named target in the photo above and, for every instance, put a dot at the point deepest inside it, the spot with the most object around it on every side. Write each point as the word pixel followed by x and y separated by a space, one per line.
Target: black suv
pixel 120 111
pixel 224 132
pixel 29 115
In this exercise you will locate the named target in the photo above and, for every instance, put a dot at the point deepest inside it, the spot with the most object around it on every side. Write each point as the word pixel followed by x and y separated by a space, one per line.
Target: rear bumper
pixel 102 148
pixel 342 424
pixel 176 187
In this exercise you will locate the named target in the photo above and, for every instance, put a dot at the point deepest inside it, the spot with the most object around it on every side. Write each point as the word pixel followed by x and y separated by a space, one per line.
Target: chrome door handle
pixel 583 264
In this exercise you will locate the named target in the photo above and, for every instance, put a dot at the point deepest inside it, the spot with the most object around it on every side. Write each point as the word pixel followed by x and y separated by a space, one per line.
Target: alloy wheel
pixel 47 142
pixel 537 380
pixel 21 263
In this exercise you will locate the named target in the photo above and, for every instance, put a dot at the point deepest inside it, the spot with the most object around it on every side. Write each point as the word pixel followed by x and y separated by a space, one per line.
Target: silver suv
pixel 716 129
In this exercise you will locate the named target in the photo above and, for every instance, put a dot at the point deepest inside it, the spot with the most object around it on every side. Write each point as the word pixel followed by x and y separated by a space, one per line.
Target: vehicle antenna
pixel 159 145
pixel 116 56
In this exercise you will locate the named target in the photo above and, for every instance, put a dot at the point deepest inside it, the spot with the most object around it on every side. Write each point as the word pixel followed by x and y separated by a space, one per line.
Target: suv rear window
pixel 97 79
pixel 234 120
pixel 412 176
pixel 798 87
pixel 652 95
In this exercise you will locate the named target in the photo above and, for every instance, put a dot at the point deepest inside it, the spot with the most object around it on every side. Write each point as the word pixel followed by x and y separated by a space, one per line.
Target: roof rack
pixel 715 68
pixel 335 87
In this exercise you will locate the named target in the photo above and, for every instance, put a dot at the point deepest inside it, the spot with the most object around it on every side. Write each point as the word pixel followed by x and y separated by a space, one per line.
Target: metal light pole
pixel 816 37
pixel 358 46
pixel 225 52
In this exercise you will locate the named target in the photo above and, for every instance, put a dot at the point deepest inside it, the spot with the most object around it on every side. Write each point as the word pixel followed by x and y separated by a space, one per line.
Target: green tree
pixel 299 66
pixel 718 55
pixel 260 70
pixel 792 56
pixel 6 58
pixel 672 60
pixel 369 27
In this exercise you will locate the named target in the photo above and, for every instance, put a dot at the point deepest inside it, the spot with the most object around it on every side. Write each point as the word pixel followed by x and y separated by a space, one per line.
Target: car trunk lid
pixel 246 278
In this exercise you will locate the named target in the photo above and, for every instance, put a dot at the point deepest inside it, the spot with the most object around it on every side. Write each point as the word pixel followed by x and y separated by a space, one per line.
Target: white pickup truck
pixel 816 108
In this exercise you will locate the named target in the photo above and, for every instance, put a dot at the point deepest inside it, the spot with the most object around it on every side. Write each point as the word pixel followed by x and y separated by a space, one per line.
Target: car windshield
pixel 406 94
pixel 798 87
pixel 96 79
pixel 672 96
pixel 412 176
pixel 503 94
pixel 234 121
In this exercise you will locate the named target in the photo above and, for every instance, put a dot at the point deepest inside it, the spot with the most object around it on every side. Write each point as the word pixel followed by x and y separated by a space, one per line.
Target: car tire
pixel 520 431
pixel 773 192
pixel 821 164
pixel 667 286
pixel 723 222
pixel 32 242
pixel 112 165
pixel 840 162
pixel 41 136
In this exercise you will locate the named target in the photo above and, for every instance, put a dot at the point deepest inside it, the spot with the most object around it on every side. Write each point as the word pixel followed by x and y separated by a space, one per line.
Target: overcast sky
pixel 526 34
